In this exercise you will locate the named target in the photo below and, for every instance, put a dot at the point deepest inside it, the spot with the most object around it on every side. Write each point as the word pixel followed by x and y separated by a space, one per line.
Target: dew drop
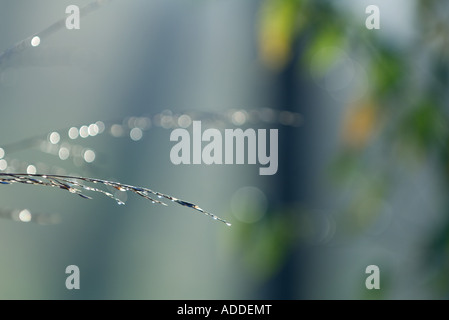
pixel 31 169
pixel 35 41
pixel 84 132
pixel 93 130
pixel 100 126
pixel 89 156
pixel 54 138
pixel 184 121
pixel 116 130
pixel 3 164
pixel 25 216
pixel 136 134
pixel 73 133
pixel 64 153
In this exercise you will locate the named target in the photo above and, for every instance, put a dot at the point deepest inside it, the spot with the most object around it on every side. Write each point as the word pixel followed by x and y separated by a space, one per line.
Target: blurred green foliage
pixel 405 105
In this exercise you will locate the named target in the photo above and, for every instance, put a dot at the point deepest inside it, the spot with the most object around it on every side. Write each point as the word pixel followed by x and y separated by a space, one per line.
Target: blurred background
pixel 363 149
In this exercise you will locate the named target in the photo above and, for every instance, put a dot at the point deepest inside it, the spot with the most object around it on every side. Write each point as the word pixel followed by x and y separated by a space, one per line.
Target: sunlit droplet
pixel 143 123
pixel 136 134
pixel 184 121
pixel 100 126
pixel 31 169
pixel 3 164
pixel 167 121
pixel 84 131
pixel 25 216
pixel 116 130
pixel 73 133
pixel 93 130
pixel 35 41
pixel 64 153
pixel 239 118
pixel 131 122
pixel 54 138
pixel 89 156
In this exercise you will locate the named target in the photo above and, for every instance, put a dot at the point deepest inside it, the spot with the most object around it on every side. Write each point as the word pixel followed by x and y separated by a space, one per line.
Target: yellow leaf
pixel 276 31
pixel 359 124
